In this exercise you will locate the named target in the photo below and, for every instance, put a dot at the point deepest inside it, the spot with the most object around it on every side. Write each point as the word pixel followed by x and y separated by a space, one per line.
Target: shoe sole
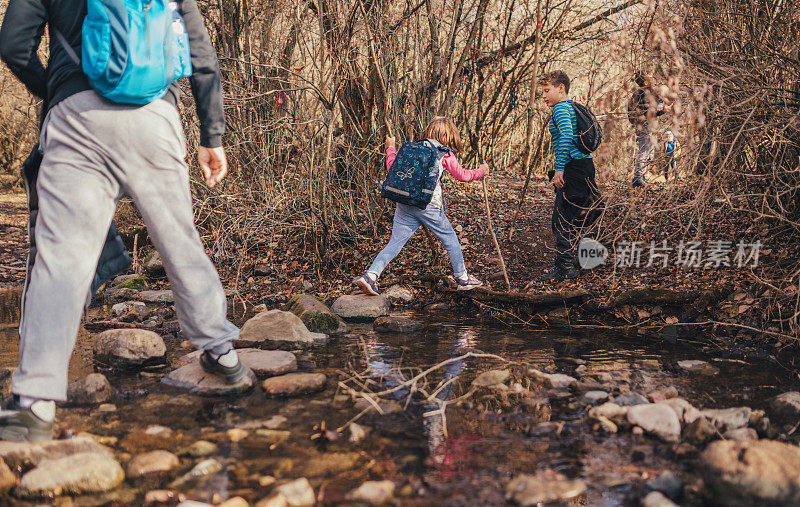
pixel 366 289
pixel 469 287
pixel 232 377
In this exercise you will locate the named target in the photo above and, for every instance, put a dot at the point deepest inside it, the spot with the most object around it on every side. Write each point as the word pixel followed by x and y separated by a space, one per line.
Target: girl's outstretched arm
pixel 450 162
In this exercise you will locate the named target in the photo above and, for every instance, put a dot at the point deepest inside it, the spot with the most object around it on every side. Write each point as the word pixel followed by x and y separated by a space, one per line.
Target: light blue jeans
pixel 407 219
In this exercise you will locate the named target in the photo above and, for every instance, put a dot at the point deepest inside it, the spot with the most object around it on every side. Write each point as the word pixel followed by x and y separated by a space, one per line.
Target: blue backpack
pixel 414 173
pixel 132 50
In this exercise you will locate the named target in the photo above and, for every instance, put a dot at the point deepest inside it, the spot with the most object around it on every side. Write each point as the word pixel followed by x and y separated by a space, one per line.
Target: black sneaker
pixel 470 283
pixel 367 285
pixel 19 424
pixel 231 374
pixel 556 274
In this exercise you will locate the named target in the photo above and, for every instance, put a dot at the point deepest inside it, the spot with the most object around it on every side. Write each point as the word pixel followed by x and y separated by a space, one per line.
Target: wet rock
pixel 153 265
pixel 264 363
pixel 90 390
pixel 198 381
pixel 741 435
pixel 360 307
pixel 331 463
pixel 150 438
pixel 298 493
pixel 236 501
pixel 668 483
pixel 358 432
pixel 491 378
pixel 77 474
pixel 728 418
pixel 594 397
pixel 397 325
pixel 8 479
pixel 698 367
pixel 630 399
pixel 162 496
pixel 604 424
pixel 199 449
pixel 276 500
pixel 398 295
pixel 273 423
pixel 203 469
pixel 277 329
pixel 662 394
pixel 685 411
pixel 237 434
pixel 152 462
pixel 29 454
pixel 129 348
pixel 130 311
pixel 133 281
pixel 656 499
pixel 373 492
pixel 648 364
pixel 294 384
pixel 529 490
pixel 656 419
pixel 610 411
pixel 759 473
pixel 699 431
pixel 786 403
pixel 553 380
pixel 316 316
pixel 156 296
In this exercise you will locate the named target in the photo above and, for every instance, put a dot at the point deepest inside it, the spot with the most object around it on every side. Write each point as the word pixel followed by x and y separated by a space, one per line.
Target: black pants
pixel 571 212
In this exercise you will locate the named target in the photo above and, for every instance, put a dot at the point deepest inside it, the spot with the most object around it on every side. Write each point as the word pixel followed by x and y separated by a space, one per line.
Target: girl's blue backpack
pixel 132 50
pixel 414 173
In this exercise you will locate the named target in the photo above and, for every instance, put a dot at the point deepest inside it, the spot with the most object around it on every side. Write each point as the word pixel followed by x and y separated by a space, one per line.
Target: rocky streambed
pixel 367 403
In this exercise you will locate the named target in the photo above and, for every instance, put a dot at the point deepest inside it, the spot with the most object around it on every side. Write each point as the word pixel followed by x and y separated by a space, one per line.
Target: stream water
pixel 485 444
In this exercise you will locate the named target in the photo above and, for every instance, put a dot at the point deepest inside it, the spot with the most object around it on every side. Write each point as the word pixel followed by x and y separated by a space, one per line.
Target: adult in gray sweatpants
pixel 95 152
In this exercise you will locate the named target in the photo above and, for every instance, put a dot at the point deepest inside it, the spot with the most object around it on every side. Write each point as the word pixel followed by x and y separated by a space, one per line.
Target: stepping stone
pixel 276 329
pixel 78 474
pixel 198 381
pixel 656 419
pixel 361 307
pixel 317 317
pixel 156 296
pixel 152 462
pixel 129 348
pixel 294 384
pixel 29 454
pixel 264 363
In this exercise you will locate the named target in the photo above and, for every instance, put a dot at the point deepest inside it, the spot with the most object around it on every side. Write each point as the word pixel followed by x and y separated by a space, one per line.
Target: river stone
pixel 698 367
pixel 528 490
pixel 132 281
pixel 152 462
pixel 699 431
pixel 360 307
pixel 553 380
pixel 657 499
pixel 276 329
pixel 685 411
pixel 398 295
pixel 8 479
pixel 630 399
pixel 609 410
pixel 264 363
pixel 129 348
pixel 657 419
pixel 298 493
pixel 786 403
pixel 594 397
pixel 317 317
pixel 92 389
pixel 198 381
pixel 728 418
pixel 668 483
pixel 199 449
pixel 397 325
pixel 373 492
pixel 202 469
pixel 29 454
pixel 294 384
pixel 491 378
pixel 156 296
pixel 752 474
pixel 153 265
pixel 81 473
pixel 741 435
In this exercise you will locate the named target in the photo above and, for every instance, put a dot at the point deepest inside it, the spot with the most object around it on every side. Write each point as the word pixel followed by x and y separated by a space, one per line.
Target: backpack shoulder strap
pixel 65 44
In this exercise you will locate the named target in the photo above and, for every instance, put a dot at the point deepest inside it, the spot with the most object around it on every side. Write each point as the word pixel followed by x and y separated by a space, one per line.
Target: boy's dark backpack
pixel 414 173
pixel 590 133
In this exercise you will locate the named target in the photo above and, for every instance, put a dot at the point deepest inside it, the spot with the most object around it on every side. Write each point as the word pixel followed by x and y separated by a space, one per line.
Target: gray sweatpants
pixel 95 152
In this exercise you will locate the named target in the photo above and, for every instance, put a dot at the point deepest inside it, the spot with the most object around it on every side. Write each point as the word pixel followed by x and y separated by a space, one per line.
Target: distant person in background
pixel 670 151
pixel 644 107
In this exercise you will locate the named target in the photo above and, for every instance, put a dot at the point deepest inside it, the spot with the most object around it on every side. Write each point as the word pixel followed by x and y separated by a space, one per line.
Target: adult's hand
pixel 485 168
pixel 213 164
pixel 558 179
pixel 391 142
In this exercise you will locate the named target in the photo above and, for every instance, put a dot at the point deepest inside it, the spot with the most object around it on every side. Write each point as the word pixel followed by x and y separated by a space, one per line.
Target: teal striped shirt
pixel 563 126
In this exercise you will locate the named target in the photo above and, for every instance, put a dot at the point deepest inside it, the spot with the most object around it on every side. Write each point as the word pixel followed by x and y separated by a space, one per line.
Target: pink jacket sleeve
pixel 450 162
pixel 391 154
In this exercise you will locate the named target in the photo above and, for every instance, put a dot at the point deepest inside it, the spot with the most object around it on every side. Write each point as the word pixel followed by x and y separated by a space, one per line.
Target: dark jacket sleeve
pixel 206 81
pixel 23 26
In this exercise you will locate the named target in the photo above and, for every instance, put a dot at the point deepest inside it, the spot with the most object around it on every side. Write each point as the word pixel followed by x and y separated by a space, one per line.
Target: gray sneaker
pixel 470 283
pixel 19 424
pixel 367 285
pixel 231 374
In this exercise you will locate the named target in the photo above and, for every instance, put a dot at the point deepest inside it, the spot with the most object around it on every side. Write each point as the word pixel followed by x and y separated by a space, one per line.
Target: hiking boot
pixel 556 274
pixel 232 374
pixel 470 283
pixel 19 424
pixel 367 285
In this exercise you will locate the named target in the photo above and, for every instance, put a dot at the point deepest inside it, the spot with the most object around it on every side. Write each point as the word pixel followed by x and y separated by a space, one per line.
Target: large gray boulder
pixel 276 329
pixel 750 474
pixel 129 348
pixel 360 307
pixel 317 317
pixel 71 475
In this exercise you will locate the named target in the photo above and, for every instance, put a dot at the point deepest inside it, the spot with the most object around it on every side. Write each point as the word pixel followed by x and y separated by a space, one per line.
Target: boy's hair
pixel 641 79
pixel 555 78
pixel 443 130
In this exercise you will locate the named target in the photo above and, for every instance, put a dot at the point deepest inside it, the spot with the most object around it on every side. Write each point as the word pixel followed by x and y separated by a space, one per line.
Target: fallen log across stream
pixel 545 300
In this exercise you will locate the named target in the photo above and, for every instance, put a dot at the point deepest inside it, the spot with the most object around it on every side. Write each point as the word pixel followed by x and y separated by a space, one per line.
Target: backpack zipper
pixel 146 9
